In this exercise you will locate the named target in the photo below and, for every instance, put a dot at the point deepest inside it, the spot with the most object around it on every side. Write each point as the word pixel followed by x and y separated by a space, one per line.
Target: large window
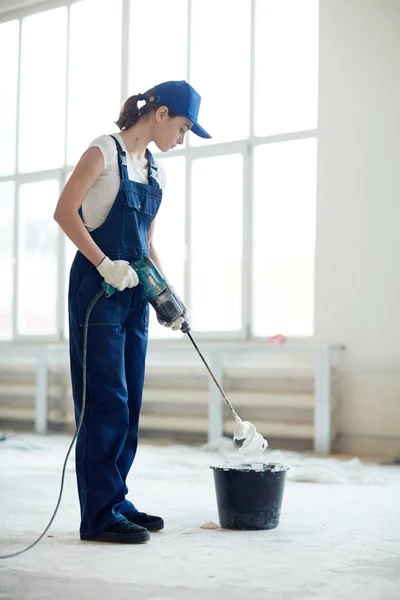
pixel 236 228
pixel 41 122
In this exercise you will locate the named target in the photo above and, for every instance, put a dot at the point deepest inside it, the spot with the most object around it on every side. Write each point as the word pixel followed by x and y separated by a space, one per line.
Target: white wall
pixel 358 220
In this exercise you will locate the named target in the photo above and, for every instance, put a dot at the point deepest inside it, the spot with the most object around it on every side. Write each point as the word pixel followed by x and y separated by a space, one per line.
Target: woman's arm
pixel 88 169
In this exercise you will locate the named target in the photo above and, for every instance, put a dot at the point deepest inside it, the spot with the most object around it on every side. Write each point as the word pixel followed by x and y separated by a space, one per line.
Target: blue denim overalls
pixel 117 344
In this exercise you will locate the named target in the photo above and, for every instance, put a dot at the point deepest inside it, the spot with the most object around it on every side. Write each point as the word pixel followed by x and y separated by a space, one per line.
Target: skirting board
pixel 374 447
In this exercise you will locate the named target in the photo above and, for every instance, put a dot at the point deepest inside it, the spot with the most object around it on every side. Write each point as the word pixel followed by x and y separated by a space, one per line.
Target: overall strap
pixel 123 168
pixel 153 170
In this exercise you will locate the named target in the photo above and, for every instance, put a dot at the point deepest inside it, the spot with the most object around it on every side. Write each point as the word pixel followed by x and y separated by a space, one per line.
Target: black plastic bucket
pixel 249 496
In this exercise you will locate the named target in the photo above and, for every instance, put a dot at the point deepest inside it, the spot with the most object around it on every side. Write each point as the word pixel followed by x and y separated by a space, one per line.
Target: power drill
pixel 167 306
pixel 157 291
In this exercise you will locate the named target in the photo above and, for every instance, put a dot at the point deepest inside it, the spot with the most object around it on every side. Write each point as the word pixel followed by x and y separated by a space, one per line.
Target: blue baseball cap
pixel 183 99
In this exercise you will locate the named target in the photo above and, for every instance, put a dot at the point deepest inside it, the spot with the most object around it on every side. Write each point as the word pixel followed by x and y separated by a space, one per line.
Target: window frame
pixel 245 147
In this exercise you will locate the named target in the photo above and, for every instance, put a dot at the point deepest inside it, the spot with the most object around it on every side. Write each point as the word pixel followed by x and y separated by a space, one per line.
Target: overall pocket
pixel 140 208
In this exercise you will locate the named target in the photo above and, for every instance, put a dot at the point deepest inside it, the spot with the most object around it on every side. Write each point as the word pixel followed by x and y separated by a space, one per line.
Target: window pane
pixel 94 85
pixel 284 237
pixel 169 235
pixel 9 36
pixel 216 277
pixel 220 67
pixel 37 276
pixel 6 257
pixel 286 66
pixel 159 42
pixel 42 99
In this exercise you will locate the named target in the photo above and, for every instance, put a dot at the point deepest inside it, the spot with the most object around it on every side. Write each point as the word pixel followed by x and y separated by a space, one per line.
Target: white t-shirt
pixel 102 194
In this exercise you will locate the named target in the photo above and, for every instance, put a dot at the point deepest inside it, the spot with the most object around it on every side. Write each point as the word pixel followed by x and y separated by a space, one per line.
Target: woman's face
pixel 169 131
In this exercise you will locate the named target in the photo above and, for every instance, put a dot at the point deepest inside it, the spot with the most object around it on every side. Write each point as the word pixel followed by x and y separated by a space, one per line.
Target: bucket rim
pixel 253 467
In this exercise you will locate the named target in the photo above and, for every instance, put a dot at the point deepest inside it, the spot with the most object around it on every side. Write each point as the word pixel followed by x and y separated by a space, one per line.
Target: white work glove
pixel 176 325
pixel 118 273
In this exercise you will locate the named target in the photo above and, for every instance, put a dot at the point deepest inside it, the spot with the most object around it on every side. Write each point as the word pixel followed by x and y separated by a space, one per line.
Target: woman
pixel 107 209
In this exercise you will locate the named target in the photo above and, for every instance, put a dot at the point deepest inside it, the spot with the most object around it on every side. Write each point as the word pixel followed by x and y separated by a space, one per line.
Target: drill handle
pixel 109 290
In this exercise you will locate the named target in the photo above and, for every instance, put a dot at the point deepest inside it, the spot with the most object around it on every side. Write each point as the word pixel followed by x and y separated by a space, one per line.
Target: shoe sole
pixel 121 538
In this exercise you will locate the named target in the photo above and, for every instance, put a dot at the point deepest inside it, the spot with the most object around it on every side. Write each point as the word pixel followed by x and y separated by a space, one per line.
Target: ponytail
pixel 130 113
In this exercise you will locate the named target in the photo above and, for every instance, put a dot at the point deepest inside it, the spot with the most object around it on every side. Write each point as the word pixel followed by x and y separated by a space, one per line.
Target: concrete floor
pixel 335 540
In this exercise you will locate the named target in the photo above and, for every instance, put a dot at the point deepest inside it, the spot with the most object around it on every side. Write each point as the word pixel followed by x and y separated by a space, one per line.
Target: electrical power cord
pixel 84 360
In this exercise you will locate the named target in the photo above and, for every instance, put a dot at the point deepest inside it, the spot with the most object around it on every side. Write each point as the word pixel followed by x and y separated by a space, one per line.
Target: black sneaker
pixel 150 522
pixel 123 532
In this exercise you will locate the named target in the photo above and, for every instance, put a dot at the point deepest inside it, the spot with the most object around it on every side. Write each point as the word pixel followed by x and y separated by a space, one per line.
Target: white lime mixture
pixel 254 444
